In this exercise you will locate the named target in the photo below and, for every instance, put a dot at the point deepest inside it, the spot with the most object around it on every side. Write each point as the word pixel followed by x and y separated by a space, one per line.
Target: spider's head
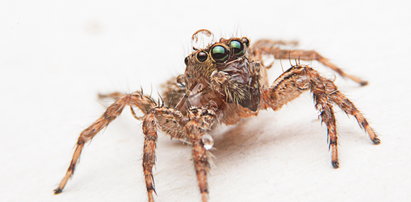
pixel 224 69
pixel 201 63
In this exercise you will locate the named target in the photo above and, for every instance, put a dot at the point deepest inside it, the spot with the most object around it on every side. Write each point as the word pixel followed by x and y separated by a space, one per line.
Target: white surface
pixel 55 56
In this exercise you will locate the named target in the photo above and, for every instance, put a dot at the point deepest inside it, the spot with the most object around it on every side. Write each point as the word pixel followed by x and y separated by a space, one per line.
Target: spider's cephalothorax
pixel 223 83
pixel 222 73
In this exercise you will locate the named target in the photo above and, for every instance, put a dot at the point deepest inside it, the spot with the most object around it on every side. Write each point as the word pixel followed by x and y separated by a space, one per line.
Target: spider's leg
pixel 201 121
pixel 113 95
pixel 269 42
pixel 172 93
pixel 149 156
pixel 265 47
pixel 111 113
pixel 201 164
pixel 298 79
pixel 257 48
pixel 168 120
pixel 189 129
pixel 324 106
pixel 348 107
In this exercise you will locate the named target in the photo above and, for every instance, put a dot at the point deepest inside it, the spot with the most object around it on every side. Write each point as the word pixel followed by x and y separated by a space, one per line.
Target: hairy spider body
pixel 224 83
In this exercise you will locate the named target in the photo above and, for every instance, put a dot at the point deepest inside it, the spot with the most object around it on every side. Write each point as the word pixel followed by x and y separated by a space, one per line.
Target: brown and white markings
pixel 223 83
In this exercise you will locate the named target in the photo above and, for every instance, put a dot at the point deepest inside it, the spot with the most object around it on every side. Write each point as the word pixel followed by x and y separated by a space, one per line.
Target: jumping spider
pixel 222 84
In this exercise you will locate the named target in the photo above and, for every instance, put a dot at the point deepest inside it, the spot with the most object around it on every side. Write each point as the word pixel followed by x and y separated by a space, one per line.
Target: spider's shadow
pixel 259 133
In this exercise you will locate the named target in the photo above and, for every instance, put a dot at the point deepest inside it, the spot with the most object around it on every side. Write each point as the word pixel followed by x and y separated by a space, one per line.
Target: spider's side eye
pixel 219 53
pixel 202 56
pixel 237 47
pixel 245 41
pixel 186 60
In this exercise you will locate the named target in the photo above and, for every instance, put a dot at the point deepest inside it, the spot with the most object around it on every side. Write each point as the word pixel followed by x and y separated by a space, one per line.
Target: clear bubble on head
pixel 202 38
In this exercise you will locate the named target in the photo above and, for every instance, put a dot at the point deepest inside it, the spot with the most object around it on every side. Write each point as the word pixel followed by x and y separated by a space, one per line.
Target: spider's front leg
pixel 144 103
pixel 201 122
pixel 190 128
pixel 265 46
pixel 298 79
pixel 170 121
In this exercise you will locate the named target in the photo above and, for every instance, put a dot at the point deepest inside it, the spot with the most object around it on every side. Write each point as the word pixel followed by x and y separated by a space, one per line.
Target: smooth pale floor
pixel 55 56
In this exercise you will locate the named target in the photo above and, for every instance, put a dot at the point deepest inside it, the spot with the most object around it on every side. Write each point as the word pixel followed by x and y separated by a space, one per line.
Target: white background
pixel 55 56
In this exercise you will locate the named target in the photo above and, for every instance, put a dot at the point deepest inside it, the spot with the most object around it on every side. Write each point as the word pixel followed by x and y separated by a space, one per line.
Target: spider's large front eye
pixel 219 53
pixel 237 47
pixel 202 56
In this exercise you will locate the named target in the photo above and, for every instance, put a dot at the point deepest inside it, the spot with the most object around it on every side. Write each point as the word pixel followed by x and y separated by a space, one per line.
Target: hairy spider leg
pixel 300 78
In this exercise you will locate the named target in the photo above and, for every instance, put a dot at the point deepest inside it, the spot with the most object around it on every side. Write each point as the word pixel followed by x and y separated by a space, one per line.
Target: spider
pixel 223 83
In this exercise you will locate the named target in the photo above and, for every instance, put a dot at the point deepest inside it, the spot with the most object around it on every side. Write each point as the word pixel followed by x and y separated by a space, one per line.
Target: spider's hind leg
pixel 265 46
pixel 299 79
pixel 113 95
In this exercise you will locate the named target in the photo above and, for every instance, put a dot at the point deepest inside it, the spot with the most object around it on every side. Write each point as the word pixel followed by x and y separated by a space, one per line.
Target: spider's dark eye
pixel 245 41
pixel 186 60
pixel 202 56
pixel 237 47
pixel 219 53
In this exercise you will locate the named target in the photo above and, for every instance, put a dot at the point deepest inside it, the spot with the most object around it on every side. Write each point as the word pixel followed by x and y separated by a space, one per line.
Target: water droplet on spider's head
pixel 207 141
pixel 202 38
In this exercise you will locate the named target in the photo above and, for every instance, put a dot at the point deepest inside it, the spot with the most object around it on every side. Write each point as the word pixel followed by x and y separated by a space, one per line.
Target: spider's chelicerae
pixel 222 84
